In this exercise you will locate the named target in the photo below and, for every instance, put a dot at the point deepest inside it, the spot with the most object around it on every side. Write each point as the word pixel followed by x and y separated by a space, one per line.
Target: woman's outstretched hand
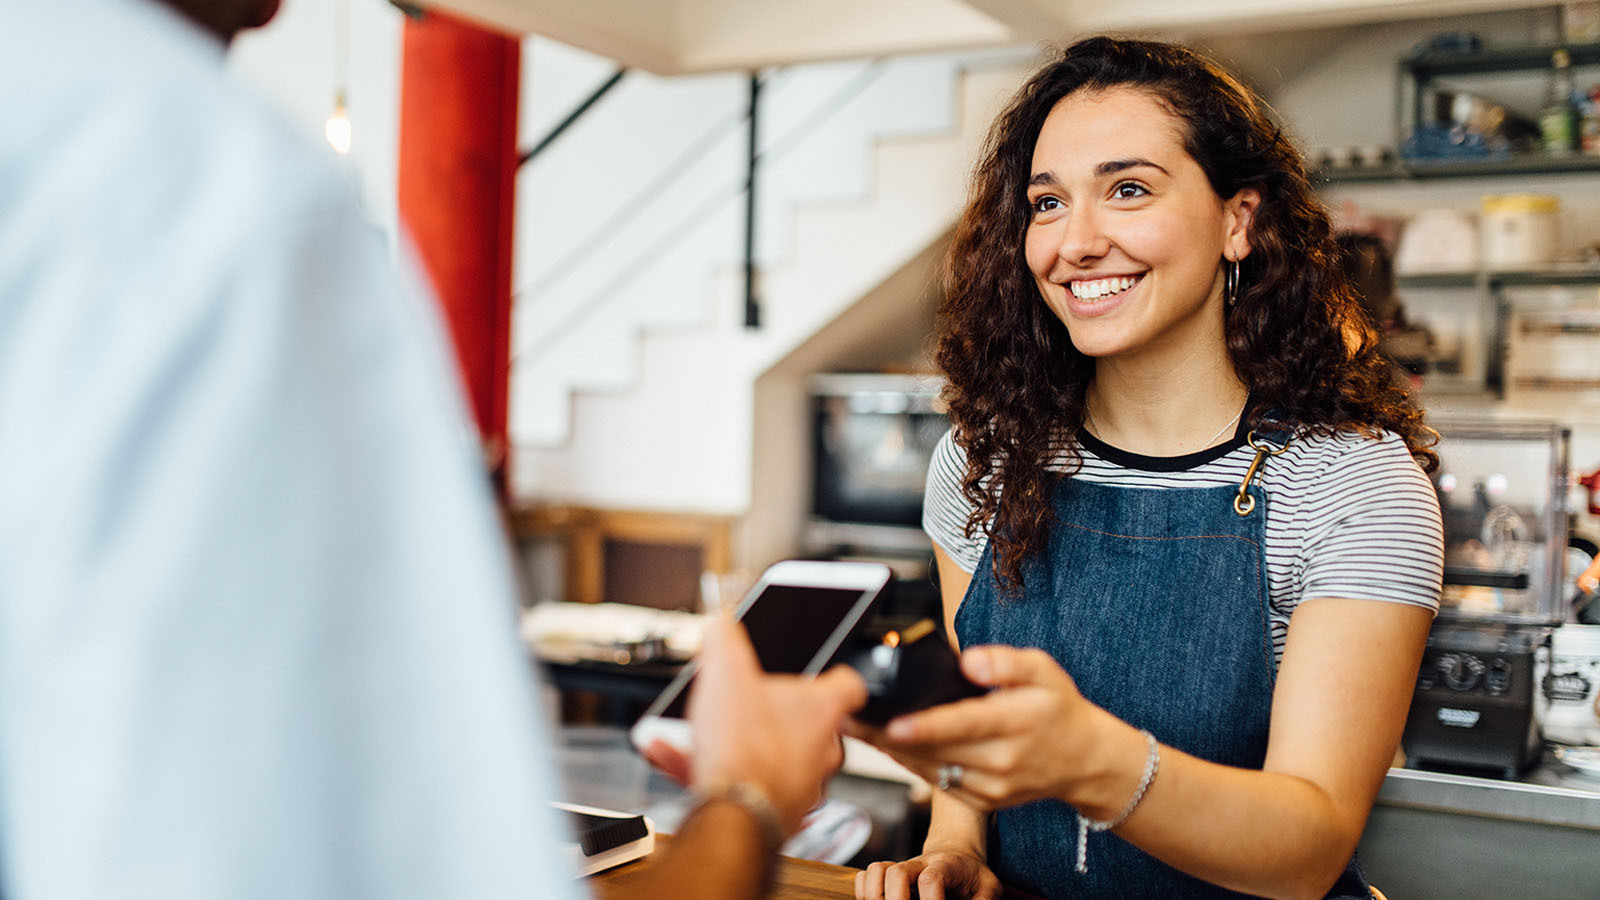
pixel 936 875
pixel 1023 741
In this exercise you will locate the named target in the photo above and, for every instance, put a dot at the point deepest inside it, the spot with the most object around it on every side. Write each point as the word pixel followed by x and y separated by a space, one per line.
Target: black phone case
pixel 909 677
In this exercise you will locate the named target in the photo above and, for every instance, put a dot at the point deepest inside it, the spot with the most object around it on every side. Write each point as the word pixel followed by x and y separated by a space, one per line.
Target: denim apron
pixel 1155 601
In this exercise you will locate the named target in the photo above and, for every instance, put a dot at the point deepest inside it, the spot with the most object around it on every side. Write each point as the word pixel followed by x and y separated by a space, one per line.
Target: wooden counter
pixel 798 879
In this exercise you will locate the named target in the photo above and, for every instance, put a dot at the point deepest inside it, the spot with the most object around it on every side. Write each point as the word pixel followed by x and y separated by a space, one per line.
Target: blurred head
pixel 1296 335
pixel 226 18
pixel 1370 266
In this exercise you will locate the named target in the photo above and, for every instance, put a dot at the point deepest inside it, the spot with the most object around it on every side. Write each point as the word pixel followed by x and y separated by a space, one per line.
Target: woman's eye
pixel 1046 204
pixel 1128 190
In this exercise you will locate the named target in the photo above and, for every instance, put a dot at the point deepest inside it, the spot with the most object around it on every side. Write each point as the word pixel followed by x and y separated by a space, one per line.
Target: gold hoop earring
pixel 1230 284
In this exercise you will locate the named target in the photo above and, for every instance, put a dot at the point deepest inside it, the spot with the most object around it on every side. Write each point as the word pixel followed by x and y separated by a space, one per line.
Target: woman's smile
pixel 1096 288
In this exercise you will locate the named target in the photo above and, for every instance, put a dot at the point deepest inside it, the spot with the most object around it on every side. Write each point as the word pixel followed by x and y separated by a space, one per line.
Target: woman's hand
pixel 1029 738
pixel 936 875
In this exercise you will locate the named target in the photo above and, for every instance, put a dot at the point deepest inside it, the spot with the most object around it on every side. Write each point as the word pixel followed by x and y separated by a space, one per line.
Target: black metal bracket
pixel 752 303
pixel 576 114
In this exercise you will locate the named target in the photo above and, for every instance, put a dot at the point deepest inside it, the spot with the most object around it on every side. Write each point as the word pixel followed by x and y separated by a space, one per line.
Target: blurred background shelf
pixel 1574 275
pixel 1518 165
pixel 1498 59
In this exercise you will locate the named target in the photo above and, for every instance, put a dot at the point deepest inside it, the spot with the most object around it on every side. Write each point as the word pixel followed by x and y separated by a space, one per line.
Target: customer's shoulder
pixel 136 105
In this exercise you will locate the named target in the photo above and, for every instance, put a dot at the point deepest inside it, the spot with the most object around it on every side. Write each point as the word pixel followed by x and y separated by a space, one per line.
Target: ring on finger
pixel 949 776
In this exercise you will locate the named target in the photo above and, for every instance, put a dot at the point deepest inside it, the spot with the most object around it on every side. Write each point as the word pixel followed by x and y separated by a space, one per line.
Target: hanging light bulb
pixel 337 128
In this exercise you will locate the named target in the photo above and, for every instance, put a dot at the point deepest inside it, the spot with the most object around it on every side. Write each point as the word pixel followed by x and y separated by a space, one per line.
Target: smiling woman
pixel 1181 520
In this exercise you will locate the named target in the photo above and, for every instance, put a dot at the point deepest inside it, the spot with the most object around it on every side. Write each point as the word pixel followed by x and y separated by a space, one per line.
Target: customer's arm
pixel 764 747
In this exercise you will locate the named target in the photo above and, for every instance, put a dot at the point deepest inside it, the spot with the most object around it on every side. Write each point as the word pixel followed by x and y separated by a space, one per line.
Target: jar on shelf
pixel 1519 230
pixel 1558 115
pixel 1589 123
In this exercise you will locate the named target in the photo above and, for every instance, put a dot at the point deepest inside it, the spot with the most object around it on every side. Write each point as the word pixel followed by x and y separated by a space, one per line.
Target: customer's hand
pixel 1020 742
pixel 778 732
pixel 935 875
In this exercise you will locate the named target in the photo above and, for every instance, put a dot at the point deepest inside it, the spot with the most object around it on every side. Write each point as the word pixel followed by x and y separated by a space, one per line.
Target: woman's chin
pixel 1097 344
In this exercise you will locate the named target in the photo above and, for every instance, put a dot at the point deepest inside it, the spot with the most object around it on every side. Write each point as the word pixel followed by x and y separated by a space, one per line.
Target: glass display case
pixel 1503 493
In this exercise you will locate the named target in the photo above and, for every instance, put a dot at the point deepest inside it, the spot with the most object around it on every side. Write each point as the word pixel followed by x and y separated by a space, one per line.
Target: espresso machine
pixel 1502 490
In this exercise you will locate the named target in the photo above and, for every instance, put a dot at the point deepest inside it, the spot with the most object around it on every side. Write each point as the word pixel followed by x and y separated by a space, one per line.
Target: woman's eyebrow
pixel 1112 166
pixel 1109 167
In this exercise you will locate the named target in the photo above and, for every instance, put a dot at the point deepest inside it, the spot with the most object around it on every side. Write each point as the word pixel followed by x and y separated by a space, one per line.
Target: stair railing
pixel 607 293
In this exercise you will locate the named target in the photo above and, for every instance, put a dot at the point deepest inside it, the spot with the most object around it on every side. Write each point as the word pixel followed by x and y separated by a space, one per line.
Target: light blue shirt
pixel 256 620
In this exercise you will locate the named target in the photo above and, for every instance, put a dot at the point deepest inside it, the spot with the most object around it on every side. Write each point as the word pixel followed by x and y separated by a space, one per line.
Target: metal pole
pixel 752 306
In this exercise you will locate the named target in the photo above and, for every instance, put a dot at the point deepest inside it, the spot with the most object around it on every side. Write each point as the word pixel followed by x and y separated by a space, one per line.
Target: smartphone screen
pixel 795 629
pixel 790 623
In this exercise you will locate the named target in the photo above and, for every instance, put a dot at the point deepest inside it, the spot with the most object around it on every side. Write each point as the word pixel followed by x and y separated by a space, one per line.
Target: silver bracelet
pixel 753 800
pixel 1086 825
pixel 758 805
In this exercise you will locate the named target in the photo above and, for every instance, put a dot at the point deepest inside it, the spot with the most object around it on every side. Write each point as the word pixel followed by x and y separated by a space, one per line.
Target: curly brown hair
pixel 1297 335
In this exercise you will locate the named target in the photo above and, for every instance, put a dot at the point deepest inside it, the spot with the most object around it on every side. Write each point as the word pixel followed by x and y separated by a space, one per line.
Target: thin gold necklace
pixel 1094 427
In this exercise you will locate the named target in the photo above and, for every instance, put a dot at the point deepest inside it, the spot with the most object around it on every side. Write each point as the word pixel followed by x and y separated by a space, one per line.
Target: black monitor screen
pixel 871 465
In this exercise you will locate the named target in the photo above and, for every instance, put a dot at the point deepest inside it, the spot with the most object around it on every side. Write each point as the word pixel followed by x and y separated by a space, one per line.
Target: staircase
pixel 633 376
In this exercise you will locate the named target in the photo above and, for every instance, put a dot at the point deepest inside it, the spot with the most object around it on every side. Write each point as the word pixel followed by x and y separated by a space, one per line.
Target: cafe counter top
pixel 1552 793
pixel 1436 834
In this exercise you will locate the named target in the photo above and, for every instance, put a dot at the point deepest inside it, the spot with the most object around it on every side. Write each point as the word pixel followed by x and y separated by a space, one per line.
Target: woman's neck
pixel 1165 410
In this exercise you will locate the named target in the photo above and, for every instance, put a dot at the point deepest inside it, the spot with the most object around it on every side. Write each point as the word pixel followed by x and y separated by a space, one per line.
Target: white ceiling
pixel 676 36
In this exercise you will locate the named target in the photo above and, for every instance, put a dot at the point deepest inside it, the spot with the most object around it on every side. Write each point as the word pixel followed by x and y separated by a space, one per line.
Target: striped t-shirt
pixel 1350 516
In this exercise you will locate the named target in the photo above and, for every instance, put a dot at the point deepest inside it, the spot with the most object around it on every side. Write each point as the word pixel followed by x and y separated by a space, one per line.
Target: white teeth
pixel 1101 287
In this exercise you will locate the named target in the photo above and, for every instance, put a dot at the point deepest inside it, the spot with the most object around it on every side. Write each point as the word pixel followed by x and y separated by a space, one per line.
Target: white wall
pixel 293 64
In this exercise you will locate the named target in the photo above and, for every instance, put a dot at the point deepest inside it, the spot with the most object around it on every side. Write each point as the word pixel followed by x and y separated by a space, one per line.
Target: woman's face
pixel 1127 238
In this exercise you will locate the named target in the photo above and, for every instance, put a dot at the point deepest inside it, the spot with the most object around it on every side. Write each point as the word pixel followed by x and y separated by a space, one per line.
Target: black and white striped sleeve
pixel 945 509
pixel 1373 530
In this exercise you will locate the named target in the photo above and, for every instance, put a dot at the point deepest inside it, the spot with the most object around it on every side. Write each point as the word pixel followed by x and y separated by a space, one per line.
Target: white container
pixel 1437 240
pixel 1519 230
pixel 1570 685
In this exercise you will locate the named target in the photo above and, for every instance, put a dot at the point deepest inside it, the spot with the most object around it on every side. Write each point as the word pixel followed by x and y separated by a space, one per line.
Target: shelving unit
pixel 1493 285
pixel 1428 66
pixel 1420 77
pixel 1555 276
pixel 1422 71
pixel 1418 74
pixel 1520 165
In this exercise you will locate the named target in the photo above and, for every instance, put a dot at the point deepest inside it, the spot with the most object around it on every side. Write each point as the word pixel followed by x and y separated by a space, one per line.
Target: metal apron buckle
pixel 1244 502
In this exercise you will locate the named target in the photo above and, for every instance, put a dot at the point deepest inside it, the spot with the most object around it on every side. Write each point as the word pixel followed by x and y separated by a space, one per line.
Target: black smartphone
pixel 907 668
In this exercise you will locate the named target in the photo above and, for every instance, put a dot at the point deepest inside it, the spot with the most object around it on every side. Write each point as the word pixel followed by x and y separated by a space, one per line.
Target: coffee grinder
pixel 1503 492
